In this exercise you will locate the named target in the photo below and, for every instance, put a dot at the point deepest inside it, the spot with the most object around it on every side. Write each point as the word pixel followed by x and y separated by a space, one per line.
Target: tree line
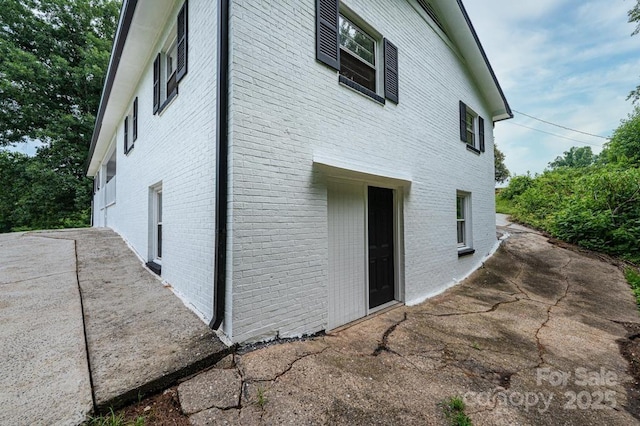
pixel 53 59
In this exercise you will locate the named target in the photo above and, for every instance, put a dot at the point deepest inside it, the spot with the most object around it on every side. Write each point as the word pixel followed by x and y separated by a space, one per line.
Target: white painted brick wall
pixel 286 106
pixel 176 148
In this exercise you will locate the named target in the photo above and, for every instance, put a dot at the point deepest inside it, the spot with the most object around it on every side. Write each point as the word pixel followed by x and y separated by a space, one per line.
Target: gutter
pixel 222 177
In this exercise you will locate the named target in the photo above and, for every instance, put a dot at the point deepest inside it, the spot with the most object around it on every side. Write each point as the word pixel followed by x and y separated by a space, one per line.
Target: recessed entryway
pixel 363 250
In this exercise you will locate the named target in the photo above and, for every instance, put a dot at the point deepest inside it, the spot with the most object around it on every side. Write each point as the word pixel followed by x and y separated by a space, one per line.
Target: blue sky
pixel 565 61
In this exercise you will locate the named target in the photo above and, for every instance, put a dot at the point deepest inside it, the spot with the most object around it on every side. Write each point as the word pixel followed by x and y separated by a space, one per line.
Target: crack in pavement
pixel 541 348
pixel 384 345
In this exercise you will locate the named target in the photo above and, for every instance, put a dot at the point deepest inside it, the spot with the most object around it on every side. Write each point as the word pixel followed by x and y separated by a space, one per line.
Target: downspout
pixel 222 149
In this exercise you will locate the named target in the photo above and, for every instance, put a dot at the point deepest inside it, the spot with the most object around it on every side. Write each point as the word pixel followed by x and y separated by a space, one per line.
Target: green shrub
pixel 596 207
pixel 517 185
pixel 633 278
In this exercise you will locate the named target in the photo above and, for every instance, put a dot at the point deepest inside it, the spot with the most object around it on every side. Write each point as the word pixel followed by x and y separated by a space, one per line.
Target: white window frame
pixel 377 38
pixel 465 220
pixel 168 55
pixel 156 220
pixel 472 128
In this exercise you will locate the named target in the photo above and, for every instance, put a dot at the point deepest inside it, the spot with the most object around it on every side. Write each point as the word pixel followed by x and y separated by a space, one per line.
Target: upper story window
pixel 357 55
pixel 170 65
pixel 131 127
pixel 471 129
pixel 365 61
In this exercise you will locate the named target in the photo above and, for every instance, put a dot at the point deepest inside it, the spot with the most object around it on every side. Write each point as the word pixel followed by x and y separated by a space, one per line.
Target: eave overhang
pixel 140 25
pixel 462 33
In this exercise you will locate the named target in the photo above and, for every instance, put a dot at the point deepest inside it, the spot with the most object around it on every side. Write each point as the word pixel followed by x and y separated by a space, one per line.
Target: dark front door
pixel 381 271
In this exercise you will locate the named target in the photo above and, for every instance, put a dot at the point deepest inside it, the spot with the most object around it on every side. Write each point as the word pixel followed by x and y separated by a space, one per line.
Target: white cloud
pixel 566 61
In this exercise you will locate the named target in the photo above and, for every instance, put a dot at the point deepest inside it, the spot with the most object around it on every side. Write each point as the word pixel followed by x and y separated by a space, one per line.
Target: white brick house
pixel 291 166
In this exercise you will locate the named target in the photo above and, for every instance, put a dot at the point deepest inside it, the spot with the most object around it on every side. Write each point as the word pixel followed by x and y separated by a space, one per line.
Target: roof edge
pixel 486 61
pixel 124 25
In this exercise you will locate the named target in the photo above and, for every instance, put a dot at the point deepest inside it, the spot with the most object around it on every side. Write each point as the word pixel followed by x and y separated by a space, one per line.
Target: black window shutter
pixel 463 122
pixel 327 34
pixel 156 84
pixel 135 119
pixel 481 133
pixel 181 69
pixel 126 134
pixel 390 71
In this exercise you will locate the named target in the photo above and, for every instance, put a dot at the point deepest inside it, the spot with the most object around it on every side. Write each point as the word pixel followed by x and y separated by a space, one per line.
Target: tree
pixel 634 17
pixel 53 59
pixel 501 171
pixel 624 146
pixel 575 157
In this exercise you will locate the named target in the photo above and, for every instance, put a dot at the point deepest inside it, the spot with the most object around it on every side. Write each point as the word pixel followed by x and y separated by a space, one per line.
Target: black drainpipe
pixel 222 149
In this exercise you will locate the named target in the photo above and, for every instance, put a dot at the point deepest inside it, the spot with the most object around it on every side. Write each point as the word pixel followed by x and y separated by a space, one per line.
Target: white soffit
pixel 464 37
pixel 146 27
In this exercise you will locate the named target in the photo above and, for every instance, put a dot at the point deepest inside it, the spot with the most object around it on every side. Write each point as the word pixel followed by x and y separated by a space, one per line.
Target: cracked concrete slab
pixel 141 338
pixel 533 337
pixel 44 377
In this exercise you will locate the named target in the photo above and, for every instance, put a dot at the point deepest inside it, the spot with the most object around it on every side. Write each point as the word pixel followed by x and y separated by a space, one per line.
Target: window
pixel 170 65
pixel 344 43
pixel 127 147
pixel 134 129
pixel 463 223
pixel 357 55
pixel 131 127
pixel 155 240
pixel 471 129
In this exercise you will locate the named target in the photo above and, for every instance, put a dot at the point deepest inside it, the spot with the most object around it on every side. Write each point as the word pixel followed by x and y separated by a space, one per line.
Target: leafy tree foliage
pixel 597 205
pixel 634 17
pixel 575 157
pixel 624 146
pixel 501 171
pixel 53 58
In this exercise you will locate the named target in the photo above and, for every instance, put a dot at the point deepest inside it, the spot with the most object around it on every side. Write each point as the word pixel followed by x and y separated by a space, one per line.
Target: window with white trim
pixel 463 223
pixel 471 129
pixel 130 127
pixel 365 61
pixel 170 65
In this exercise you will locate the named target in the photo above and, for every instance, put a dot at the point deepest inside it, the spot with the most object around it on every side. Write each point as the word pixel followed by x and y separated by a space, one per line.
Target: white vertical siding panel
pixel 346 253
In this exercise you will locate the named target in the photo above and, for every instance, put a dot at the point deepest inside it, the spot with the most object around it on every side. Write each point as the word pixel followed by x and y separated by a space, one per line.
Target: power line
pixel 552 134
pixel 562 127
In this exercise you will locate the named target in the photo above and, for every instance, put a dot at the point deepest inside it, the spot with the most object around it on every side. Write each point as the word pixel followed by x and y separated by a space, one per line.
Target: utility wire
pixel 552 134
pixel 562 127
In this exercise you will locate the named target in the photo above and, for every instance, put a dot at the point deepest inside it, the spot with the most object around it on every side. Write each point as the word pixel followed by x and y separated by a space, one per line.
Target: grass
pixel 113 419
pixel 633 278
pixel 504 206
pixel 453 409
pixel 262 398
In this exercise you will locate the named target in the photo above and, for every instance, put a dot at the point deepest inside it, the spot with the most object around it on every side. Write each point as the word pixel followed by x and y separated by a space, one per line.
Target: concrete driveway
pixel 85 326
pixel 532 338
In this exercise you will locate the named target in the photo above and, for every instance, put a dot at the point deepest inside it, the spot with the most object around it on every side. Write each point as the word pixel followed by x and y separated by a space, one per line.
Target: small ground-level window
pixel 158 225
pixel 463 223
pixel 460 209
